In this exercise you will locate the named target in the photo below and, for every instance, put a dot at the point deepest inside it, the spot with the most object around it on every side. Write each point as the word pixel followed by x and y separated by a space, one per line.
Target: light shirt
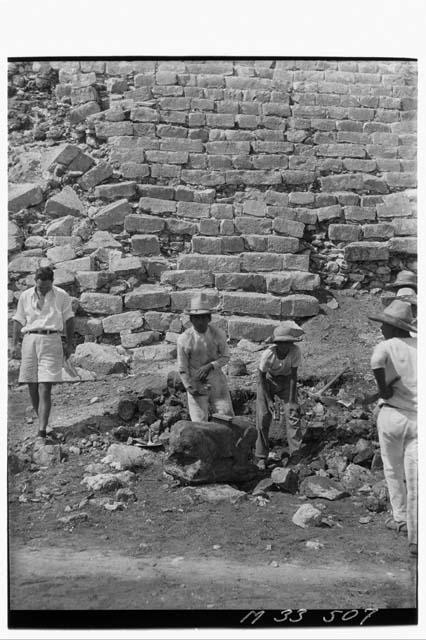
pixel 398 357
pixel 271 364
pixel 197 349
pixel 56 310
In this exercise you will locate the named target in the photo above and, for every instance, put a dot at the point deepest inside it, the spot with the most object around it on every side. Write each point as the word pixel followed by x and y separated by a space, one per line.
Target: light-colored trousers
pixel 398 446
pixel 218 398
pixel 280 387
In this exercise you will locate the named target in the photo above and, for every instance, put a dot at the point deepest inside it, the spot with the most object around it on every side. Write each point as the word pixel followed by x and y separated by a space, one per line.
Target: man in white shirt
pixel 43 313
pixel 394 364
pixel 277 376
pixel 202 351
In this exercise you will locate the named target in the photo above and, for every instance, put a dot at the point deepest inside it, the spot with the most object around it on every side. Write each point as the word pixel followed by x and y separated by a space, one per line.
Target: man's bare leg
pixel 34 395
pixel 45 391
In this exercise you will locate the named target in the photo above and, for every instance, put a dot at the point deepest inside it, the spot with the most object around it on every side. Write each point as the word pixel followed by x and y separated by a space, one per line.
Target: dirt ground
pixel 172 550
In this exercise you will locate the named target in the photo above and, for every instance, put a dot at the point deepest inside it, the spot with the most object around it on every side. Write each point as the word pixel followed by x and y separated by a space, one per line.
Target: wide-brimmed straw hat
pixel 407 295
pixel 287 331
pixel 404 279
pixel 199 305
pixel 397 314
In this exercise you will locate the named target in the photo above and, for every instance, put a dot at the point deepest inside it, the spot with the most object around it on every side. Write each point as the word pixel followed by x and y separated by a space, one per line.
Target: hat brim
pixel 287 339
pixel 199 312
pixel 400 285
pixel 394 322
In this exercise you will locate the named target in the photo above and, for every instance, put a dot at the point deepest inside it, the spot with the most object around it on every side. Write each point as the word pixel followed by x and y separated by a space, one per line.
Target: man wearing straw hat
pixel 277 376
pixel 395 359
pixel 202 351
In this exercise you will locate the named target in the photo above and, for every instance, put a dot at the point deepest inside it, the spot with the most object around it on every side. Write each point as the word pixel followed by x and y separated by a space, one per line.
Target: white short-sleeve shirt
pixel 56 310
pixel 271 364
pixel 398 357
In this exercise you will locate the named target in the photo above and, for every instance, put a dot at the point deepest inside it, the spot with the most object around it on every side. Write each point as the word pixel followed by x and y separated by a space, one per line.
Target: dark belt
pixel 43 332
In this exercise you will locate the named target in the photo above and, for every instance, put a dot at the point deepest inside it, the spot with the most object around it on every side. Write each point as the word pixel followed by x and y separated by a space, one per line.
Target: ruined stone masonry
pixel 257 181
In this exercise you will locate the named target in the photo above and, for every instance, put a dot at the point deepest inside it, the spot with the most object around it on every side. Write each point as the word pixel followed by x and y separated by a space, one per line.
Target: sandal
pixel 399 527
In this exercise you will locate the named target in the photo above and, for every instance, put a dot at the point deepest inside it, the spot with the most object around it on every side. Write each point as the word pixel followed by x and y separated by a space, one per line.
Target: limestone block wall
pixel 330 145
pixel 256 181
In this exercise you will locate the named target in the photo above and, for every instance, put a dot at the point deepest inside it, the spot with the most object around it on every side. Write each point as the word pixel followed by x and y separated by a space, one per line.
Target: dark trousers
pixel 280 387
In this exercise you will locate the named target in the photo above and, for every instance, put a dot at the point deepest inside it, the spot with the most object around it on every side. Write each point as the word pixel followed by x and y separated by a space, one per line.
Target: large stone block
pixel 244 281
pixel 111 129
pixel 205 244
pixel 155 352
pixel 63 154
pixel 381 231
pixel 193 210
pixel 147 296
pixel 60 254
pixel 127 321
pixel 328 213
pixel 182 279
pixel 113 215
pixel 394 205
pixel 100 358
pixel 145 245
pixel 129 265
pixel 82 163
pixel 181 227
pixel 254 329
pixel 209 227
pixel 79 264
pixel 403 245
pixel 251 304
pixel 304 281
pixel 255 208
pixel 289 227
pixel 209 452
pixel 88 326
pixel 159 320
pixel 404 227
pixel 83 94
pixel 83 111
pixel 344 232
pixel 340 150
pixel 61 226
pixel 117 190
pixel 156 205
pixel 261 262
pixel 102 240
pixel 222 211
pixel 282 244
pixel 167 157
pixel 180 300
pixel 159 191
pixel 279 283
pixel 252 225
pixel 144 114
pixel 232 244
pixel 25 264
pixel 143 224
pixel 64 203
pixel 256 243
pixel 366 252
pixel 134 170
pixel 95 176
pixel 92 280
pixel 216 264
pixel 359 214
pixel 299 305
pixel 101 303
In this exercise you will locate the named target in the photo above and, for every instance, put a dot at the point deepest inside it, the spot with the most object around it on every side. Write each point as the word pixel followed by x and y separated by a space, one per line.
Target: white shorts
pixel 42 358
